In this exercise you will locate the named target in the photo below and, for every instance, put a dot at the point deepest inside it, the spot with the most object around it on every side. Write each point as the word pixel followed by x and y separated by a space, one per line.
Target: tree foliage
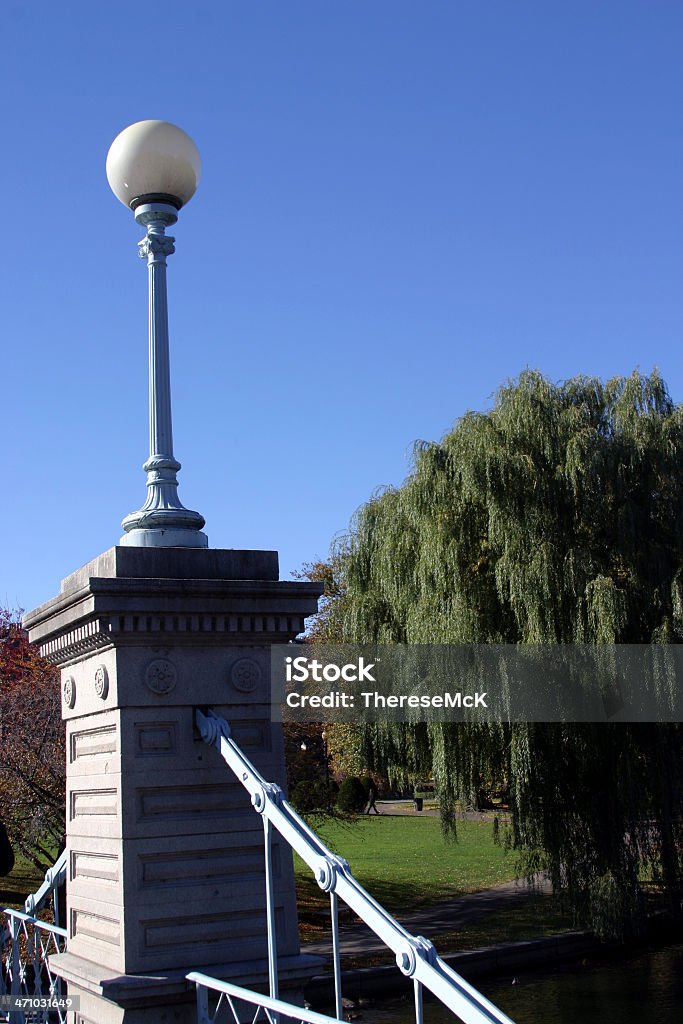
pixel 346 756
pixel 32 761
pixel 557 517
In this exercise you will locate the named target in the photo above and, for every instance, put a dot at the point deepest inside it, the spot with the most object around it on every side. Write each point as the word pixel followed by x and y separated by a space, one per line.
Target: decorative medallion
pixel 101 682
pixel 161 676
pixel 69 691
pixel 245 675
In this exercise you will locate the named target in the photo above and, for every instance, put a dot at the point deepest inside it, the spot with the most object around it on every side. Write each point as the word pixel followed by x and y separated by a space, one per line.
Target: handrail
pixel 44 926
pixel 416 956
pixel 54 877
pixel 226 988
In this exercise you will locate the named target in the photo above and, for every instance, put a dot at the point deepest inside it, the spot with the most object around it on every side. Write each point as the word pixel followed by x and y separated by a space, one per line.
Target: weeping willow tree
pixel 557 517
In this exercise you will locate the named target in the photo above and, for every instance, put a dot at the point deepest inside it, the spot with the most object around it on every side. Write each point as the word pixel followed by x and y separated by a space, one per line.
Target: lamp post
pixel 153 167
pixel 323 736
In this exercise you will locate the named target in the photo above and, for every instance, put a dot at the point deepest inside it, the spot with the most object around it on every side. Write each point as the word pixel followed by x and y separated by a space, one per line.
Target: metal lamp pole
pixel 153 167
pixel 323 736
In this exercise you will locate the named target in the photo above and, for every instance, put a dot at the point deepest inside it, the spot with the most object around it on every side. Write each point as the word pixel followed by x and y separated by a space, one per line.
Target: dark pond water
pixel 647 988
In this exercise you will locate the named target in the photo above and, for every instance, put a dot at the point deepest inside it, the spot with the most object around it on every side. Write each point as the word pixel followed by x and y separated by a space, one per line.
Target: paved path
pixel 442 917
pixel 401 807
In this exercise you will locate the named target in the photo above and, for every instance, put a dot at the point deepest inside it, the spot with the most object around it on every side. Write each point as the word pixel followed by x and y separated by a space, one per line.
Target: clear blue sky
pixel 403 204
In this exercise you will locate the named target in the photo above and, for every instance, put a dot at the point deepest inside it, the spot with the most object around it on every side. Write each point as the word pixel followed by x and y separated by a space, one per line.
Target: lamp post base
pixel 159 537
pixel 163 522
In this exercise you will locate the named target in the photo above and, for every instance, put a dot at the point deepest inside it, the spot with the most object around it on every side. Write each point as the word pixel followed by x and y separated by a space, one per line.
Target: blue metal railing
pixel 54 878
pixel 416 957
pixel 26 944
pixel 230 996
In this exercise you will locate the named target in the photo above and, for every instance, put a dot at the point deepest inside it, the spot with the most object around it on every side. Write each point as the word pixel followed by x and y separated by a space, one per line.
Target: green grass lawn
pixel 405 863
pixel 22 880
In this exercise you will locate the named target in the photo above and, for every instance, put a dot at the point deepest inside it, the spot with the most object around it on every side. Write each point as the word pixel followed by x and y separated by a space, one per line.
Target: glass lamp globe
pixel 153 161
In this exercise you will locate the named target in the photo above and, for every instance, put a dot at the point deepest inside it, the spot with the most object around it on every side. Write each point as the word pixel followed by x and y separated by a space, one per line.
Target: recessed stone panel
pixel 208 867
pixel 155 738
pixel 171 932
pixel 95 742
pixel 174 802
pixel 91 803
pixel 95 867
pixel 95 927
pixel 252 736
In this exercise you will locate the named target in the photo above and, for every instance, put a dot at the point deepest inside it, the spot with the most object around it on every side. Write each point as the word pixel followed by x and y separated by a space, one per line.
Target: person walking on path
pixel 372 796
pixel 6 851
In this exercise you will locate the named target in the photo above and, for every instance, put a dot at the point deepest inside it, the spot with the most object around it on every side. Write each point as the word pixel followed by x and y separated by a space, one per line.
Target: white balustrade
pixel 25 947
pixel 416 957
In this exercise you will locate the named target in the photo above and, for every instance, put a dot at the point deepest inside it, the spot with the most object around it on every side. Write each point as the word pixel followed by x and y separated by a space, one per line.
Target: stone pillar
pixel 165 853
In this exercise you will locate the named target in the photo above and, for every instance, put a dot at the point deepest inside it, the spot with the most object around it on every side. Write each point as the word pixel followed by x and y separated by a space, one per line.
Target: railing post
pixel 33 958
pixel 57 881
pixel 336 956
pixel 270 910
pixel 15 990
pixel 419 1008
pixel 203 1005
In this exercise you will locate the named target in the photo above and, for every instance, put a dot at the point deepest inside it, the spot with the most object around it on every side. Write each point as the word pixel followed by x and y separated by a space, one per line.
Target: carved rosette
pixel 69 691
pixel 245 675
pixel 161 676
pixel 101 682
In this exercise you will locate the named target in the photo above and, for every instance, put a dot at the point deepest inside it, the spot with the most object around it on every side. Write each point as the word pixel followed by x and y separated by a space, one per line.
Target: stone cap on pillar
pixel 195 595
pixel 176 563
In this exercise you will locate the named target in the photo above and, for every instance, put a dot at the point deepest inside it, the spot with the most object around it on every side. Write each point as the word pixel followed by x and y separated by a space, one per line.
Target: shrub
pixel 352 796
pixel 311 796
